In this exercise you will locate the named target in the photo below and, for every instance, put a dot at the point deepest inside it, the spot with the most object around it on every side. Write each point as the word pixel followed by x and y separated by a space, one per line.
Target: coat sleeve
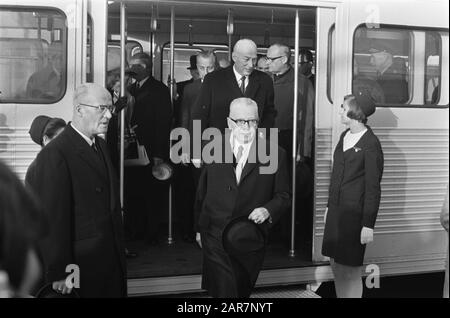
pixel 373 165
pixel 186 108
pixel 281 190
pixel 444 213
pixel 202 106
pixel 52 185
pixel 309 120
pixel 269 111
pixel 162 122
pixel 200 197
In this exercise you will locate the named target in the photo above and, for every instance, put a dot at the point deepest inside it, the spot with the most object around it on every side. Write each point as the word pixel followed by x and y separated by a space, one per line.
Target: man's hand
pixel 198 238
pixel 366 235
pixel 61 287
pixel 259 215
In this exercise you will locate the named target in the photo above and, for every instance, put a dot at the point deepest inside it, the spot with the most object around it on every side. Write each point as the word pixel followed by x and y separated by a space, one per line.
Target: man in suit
pixel 235 188
pixel 187 175
pixel 220 88
pixel 78 187
pixel 146 198
pixel 278 56
pixel 180 87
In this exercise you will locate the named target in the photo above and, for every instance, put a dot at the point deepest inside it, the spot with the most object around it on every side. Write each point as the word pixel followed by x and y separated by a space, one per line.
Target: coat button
pixel 98 189
pixel 229 188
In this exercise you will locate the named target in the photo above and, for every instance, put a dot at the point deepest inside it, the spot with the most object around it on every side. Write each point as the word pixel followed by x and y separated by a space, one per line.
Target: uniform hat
pixel 37 128
pixel 193 62
pixel 47 291
pixel 366 103
pixel 379 46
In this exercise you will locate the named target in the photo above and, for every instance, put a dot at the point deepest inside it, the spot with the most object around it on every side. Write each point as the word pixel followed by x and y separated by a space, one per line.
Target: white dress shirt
pixel 238 78
pixel 235 144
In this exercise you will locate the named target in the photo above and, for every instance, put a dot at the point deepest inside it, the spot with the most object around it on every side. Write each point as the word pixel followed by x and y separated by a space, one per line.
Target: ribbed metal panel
pixel 416 174
pixel 17 149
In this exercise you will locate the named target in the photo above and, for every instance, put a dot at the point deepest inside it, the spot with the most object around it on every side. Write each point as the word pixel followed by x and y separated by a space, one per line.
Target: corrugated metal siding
pixel 416 174
pixel 17 149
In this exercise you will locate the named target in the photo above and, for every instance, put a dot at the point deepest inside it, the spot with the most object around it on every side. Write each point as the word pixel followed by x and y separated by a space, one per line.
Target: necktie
pixel 239 154
pixel 243 84
pixel 94 147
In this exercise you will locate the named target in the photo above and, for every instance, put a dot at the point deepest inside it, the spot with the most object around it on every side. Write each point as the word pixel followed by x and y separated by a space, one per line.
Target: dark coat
pixel 220 199
pixel 394 85
pixel 80 196
pixel 153 116
pixel 177 104
pixel 190 95
pixel 354 198
pixel 220 88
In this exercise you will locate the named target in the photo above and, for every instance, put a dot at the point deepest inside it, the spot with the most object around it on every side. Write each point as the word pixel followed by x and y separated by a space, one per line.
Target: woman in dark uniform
pixel 354 196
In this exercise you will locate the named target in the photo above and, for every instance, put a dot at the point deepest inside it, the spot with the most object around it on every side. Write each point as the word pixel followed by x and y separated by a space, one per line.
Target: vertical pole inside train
pixel 171 87
pixel 294 137
pixel 123 36
pixel 84 36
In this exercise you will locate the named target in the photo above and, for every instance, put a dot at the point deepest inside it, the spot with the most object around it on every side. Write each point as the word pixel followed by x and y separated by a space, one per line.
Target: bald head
pixel 244 45
pixel 243 108
pixel 89 93
pixel 244 56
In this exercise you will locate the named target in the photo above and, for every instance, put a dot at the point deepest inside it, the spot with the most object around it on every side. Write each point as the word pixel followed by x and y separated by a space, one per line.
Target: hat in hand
pixel 243 236
pixel 162 171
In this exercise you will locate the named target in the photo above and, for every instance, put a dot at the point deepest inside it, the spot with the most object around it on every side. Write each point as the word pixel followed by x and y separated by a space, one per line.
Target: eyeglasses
pixel 242 122
pixel 102 108
pixel 271 59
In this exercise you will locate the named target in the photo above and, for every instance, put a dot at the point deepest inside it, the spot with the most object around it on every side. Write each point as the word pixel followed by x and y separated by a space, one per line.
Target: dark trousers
pixel 146 203
pixel 183 199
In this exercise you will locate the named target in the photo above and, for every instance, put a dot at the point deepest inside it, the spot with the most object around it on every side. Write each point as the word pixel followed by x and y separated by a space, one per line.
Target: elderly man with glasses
pixel 78 188
pixel 237 187
pixel 279 56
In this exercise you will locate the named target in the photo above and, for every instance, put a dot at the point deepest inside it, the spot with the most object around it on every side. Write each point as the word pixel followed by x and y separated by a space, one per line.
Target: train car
pixel 413 130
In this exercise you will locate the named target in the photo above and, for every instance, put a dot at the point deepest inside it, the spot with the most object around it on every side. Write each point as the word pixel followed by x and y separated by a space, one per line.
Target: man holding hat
pixel 237 203
pixel 390 74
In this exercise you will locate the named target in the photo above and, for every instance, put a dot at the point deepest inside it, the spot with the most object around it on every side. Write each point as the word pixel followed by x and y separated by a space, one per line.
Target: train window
pixel 330 63
pixel 382 64
pixel 32 55
pixel 432 68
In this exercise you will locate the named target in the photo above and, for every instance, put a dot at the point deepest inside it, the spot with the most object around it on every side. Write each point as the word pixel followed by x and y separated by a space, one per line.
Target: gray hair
pixel 88 89
pixel 285 49
pixel 243 102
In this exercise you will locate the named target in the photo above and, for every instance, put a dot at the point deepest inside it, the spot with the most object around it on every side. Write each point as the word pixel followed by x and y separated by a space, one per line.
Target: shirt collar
pixel 239 76
pixel 86 138
pixel 143 81
pixel 235 144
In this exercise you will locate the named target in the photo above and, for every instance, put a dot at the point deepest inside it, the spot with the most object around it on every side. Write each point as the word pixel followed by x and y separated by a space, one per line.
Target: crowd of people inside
pixel 70 213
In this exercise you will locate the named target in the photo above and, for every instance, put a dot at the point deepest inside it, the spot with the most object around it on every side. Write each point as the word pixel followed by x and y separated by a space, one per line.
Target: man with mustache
pixel 238 188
